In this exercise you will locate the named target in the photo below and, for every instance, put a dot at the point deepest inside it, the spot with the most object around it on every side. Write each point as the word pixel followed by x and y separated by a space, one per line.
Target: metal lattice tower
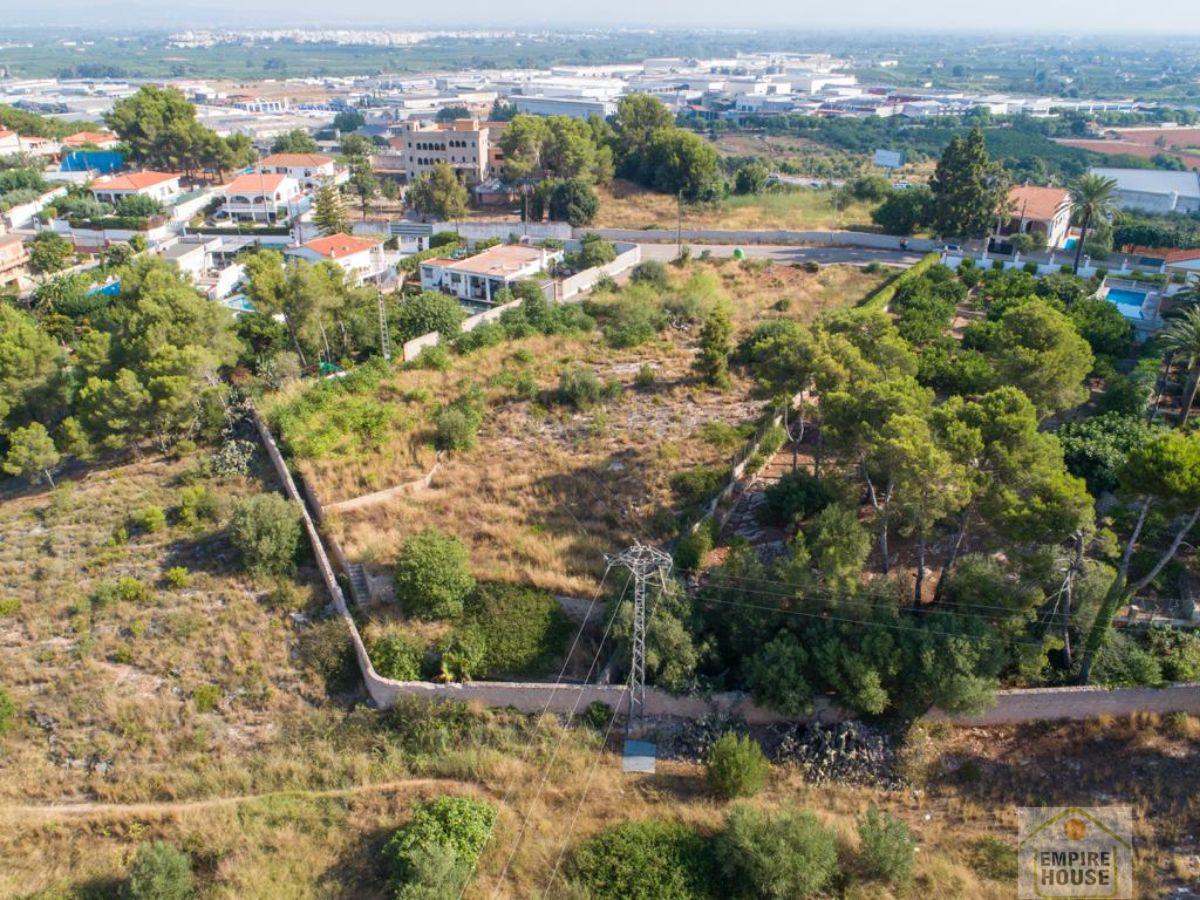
pixel 646 564
pixel 385 341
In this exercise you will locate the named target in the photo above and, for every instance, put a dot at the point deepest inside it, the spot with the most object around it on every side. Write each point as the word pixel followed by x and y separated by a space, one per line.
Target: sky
pixel 1061 16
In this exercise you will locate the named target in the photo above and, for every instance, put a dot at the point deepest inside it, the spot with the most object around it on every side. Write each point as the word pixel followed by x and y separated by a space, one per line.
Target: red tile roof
pixel 133 181
pixel 335 246
pixel 88 137
pixel 255 183
pixel 315 160
pixel 1171 256
pixel 1043 203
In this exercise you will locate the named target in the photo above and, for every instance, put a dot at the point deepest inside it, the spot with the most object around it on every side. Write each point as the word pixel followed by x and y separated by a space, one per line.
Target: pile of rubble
pixel 843 752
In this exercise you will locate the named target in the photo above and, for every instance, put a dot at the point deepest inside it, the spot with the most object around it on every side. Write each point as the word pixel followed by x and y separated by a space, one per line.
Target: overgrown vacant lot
pixel 141 662
pixel 548 488
pixel 329 844
pixel 626 205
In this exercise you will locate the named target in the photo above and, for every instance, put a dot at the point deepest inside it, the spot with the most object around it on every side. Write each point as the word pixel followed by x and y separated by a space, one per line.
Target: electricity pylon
pixel 645 564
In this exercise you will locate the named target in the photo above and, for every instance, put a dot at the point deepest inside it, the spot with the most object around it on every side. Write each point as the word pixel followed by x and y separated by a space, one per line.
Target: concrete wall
pixel 718 236
pixel 628 256
pixel 478 231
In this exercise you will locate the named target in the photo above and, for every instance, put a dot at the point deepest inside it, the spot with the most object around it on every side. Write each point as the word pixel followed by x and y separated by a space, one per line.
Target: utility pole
pixel 645 564
pixel 385 341
pixel 679 227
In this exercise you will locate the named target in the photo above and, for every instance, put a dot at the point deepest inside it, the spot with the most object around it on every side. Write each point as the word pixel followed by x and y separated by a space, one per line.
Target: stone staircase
pixel 360 589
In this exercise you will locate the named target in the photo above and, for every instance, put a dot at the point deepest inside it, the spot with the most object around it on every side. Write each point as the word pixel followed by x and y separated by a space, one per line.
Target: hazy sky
pixel 1107 16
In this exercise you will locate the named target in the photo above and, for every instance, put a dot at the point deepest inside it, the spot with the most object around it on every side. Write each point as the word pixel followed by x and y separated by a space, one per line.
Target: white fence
pixel 866 239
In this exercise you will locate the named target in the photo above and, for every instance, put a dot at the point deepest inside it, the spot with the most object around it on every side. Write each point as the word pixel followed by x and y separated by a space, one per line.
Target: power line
pixel 557 746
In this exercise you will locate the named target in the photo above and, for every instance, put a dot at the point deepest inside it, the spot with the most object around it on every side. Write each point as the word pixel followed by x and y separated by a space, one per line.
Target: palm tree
pixel 1182 336
pixel 1094 197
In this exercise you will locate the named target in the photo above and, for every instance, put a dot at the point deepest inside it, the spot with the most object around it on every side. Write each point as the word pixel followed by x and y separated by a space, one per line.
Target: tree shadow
pixel 361 873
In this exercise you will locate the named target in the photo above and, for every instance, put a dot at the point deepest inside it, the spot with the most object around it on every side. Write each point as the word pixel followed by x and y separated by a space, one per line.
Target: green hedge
pixel 882 296
pixel 410 264
pixel 526 629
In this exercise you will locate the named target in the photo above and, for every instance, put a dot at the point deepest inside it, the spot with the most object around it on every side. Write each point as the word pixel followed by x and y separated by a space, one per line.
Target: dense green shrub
pixel 647 860
pixel 653 273
pixel 460 825
pixel 160 872
pixel 798 494
pixel 325 649
pixel 1177 651
pixel 432 575
pixel 580 387
pixel 454 430
pixel 461 653
pixel 785 855
pixel 8 710
pixel 197 503
pixel 886 847
pixel 397 656
pixel 693 548
pixel 698 485
pixel 775 675
pixel 426 312
pixel 736 766
pixel 1121 662
pixel 149 519
pixel 635 318
pixel 526 629
pixel 265 529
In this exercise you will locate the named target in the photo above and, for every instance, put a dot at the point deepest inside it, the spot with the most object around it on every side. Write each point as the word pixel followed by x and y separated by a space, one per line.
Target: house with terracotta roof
pixel 363 258
pixel 482 276
pixel 10 142
pixel 1039 209
pixel 261 197
pixel 309 169
pixel 14 259
pixel 102 140
pixel 160 186
pixel 1186 262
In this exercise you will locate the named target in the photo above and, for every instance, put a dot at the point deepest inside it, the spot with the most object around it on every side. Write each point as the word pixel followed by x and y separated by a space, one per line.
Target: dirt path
pixel 87 809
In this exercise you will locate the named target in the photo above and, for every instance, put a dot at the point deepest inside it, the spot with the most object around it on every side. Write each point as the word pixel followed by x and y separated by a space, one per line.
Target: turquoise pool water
pixel 239 303
pixel 1125 296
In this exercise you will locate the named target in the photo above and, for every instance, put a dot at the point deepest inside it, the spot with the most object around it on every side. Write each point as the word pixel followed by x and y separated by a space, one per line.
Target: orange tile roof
pixel 295 159
pixel 255 183
pixel 499 261
pixel 1032 202
pixel 1170 256
pixel 133 181
pixel 4 132
pixel 335 246
pixel 88 137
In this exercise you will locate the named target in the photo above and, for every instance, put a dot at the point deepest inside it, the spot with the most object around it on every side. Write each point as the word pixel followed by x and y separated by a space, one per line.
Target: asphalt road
pixel 781 254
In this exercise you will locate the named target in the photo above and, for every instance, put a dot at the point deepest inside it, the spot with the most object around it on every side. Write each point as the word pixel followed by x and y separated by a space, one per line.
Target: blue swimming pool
pixel 1126 297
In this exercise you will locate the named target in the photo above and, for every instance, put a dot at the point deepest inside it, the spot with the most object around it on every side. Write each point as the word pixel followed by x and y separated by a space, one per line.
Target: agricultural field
pixel 625 205
pixel 547 488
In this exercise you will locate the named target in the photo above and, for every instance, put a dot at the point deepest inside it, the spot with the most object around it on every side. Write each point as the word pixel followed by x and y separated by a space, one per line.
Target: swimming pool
pixel 1126 297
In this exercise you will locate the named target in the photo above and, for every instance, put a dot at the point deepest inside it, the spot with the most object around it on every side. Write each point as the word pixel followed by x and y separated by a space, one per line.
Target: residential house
pixel 209 261
pixel 310 170
pixel 14 258
pixel 1039 209
pixel 463 144
pixel 101 140
pixel 10 142
pixel 482 276
pixel 363 258
pixel 160 186
pixel 1150 190
pixel 260 197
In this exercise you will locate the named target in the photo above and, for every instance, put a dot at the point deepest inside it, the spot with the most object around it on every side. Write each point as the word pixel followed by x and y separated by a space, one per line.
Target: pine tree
pixel 715 346
pixel 330 213
pixel 968 188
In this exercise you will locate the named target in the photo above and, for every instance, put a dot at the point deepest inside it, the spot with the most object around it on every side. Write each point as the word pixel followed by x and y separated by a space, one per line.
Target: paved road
pixel 780 254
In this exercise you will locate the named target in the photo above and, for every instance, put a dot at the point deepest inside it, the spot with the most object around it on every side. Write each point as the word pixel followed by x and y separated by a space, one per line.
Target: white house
pixel 1154 191
pixel 481 276
pixel 10 142
pixel 160 186
pixel 363 258
pixel 261 197
pixel 308 169
pixel 1045 209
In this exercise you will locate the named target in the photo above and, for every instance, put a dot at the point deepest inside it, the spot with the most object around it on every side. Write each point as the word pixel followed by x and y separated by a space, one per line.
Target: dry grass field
pixel 548 490
pixel 625 205
pixel 128 686
pixel 326 843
